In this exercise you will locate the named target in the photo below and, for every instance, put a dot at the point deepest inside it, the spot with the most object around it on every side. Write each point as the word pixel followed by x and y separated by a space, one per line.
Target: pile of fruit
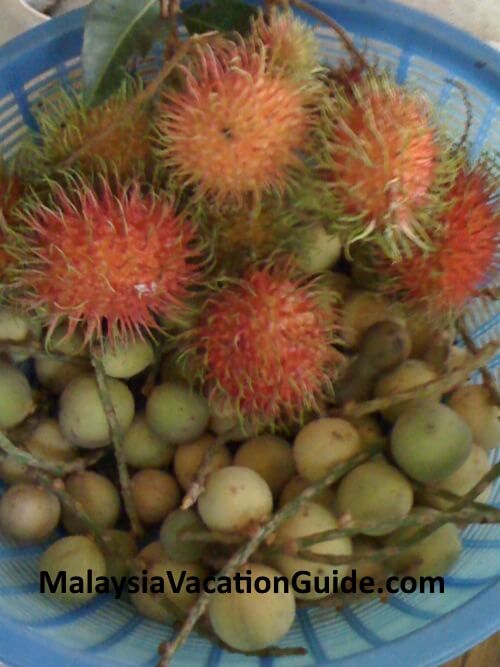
pixel 229 305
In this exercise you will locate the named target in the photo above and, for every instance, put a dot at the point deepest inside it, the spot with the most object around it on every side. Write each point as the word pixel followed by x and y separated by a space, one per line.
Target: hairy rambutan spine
pixel 464 253
pixel 263 346
pixel 112 259
pixel 11 192
pixel 235 130
pixel 388 166
pixel 66 126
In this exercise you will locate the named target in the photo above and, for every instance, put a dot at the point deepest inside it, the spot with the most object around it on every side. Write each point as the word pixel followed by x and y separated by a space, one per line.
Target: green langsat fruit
pixel 375 492
pixel 309 519
pixel 411 374
pixel 322 444
pixel 74 555
pixel 171 536
pixel 47 442
pixel 142 448
pixel 56 374
pixel 98 498
pixel 189 457
pixel 28 513
pixel 430 441
pixel 124 360
pixel 431 557
pixel 16 397
pixel 233 498
pixel 155 494
pixel 270 457
pixel 81 414
pixel 176 413
pixel 119 550
pixel 253 621
pixel 475 405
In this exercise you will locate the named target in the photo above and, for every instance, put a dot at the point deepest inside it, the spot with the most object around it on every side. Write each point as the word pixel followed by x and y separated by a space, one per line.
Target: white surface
pixel 480 17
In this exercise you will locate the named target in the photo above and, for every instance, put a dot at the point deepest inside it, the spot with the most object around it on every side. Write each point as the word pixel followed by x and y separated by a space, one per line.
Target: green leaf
pixel 221 15
pixel 116 30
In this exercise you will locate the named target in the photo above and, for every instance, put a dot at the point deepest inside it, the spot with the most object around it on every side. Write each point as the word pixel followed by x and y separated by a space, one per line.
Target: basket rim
pixel 430 646
pixel 454 632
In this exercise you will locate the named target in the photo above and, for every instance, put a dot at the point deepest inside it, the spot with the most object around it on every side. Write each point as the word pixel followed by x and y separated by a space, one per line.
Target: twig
pixel 427 528
pixel 57 469
pixel 491 293
pixel 241 556
pixel 198 486
pixel 35 349
pixel 469 112
pixel 141 98
pixel 211 537
pixel 299 544
pixel 155 368
pixel 328 21
pixel 443 385
pixel 488 379
pixel 117 438
pixel 450 496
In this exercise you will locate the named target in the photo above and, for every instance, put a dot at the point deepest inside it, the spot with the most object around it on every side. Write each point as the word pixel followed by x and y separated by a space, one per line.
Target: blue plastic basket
pixel 417 630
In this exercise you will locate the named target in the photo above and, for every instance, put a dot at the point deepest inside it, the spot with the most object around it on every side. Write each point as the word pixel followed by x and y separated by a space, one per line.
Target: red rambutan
pixel 263 346
pixel 463 256
pixel 11 191
pixel 234 128
pixel 66 126
pixel 291 46
pixel 106 258
pixel 386 164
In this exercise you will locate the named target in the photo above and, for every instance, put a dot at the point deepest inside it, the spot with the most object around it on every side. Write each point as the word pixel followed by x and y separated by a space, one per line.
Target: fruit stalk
pixel 56 469
pixel 155 368
pixel 241 556
pixel 117 438
pixel 333 25
pixel 211 537
pixel 488 379
pixel 442 385
pixel 35 349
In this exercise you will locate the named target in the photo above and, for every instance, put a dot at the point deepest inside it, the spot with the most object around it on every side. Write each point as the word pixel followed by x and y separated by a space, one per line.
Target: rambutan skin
pixel 446 278
pixel 386 163
pixel 66 127
pixel 11 192
pixel 234 129
pixel 106 258
pixel 241 237
pixel 263 346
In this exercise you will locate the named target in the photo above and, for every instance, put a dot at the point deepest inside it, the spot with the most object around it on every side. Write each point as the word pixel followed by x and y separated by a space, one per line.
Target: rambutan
pixel 66 127
pixel 241 237
pixel 263 346
pixel 445 278
pixel 109 259
pixel 387 165
pixel 11 191
pixel 234 129
pixel 291 46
